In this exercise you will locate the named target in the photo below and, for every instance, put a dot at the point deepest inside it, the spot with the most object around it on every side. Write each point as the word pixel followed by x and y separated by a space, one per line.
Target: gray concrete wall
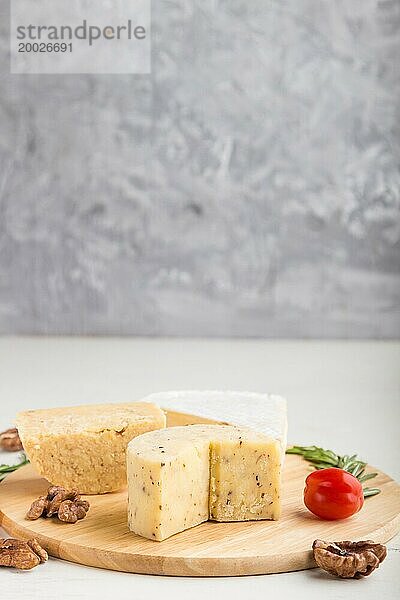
pixel 248 187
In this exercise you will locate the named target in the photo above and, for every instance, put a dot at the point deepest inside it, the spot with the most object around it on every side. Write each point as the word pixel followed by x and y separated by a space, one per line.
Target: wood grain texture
pixel 211 549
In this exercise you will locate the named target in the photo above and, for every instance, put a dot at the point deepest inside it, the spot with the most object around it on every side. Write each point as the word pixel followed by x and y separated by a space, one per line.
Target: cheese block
pixel 182 476
pixel 265 413
pixel 84 447
pixel 245 476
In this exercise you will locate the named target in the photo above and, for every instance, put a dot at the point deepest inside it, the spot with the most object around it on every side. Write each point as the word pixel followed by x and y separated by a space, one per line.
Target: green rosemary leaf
pixel 323 459
pixel 367 476
pixel 368 492
pixel 316 457
pixel 322 465
pixel 5 469
pixel 357 469
pixel 296 450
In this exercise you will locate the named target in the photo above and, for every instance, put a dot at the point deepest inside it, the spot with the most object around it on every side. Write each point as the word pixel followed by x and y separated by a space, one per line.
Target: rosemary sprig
pixel 6 469
pixel 324 459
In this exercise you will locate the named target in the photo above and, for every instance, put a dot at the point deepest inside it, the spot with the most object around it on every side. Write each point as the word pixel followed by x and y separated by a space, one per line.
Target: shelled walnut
pixel 348 559
pixel 9 440
pixel 71 511
pixel 21 555
pixel 67 505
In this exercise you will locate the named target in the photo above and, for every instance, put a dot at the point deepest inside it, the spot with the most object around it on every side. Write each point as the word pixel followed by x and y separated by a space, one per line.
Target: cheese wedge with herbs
pixel 180 477
pixel 84 447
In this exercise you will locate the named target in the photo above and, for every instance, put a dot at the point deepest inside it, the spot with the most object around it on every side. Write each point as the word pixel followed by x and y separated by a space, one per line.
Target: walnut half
pixel 59 502
pixel 20 554
pixel 348 559
pixel 9 440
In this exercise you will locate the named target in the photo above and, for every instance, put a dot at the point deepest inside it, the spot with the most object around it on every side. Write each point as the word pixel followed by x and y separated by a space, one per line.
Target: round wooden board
pixel 103 539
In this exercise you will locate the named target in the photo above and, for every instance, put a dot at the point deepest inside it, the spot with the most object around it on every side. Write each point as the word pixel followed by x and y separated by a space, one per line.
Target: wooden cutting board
pixel 102 539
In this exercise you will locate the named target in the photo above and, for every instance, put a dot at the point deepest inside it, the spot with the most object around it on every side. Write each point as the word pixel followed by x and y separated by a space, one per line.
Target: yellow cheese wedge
pixel 182 476
pixel 84 447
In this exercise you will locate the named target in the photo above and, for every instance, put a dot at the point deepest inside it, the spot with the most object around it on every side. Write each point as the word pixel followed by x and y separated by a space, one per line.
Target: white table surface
pixel 342 395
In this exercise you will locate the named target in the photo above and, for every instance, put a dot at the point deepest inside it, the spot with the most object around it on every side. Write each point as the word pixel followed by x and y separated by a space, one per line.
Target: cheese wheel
pixel 182 476
pixel 84 447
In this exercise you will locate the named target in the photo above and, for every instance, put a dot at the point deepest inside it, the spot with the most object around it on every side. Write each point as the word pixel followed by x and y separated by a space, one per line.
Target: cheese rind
pixel 167 488
pixel 265 413
pixel 182 476
pixel 84 447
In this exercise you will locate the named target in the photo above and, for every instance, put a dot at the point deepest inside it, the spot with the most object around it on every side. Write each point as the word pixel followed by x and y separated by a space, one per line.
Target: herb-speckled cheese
pixel 84 447
pixel 182 476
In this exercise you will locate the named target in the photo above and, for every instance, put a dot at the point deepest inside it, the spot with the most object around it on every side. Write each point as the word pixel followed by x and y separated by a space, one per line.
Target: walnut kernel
pixel 38 550
pixel 65 504
pixel 21 555
pixel 71 511
pixel 348 559
pixel 9 440
pixel 38 508
pixel 60 496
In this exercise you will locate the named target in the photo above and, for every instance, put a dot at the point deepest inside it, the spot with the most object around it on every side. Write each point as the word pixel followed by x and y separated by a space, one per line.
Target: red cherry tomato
pixel 333 494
